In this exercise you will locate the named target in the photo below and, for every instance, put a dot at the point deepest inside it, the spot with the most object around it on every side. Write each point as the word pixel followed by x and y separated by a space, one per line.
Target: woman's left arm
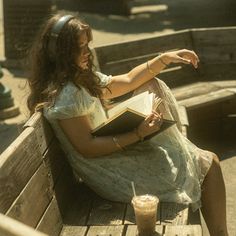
pixel 121 84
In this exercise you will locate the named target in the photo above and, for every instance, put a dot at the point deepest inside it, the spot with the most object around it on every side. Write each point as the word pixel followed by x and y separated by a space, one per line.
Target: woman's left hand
pixel 181 56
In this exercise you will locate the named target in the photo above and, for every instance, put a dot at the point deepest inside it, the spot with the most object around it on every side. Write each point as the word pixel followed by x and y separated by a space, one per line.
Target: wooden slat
pixel 207 99
pixel 33 200
pixel 106 212
pixel 106 230
pixel 193 90
pixel 133 231
pixel 51 221
pixel 174 214
pixel 65 189
pixel 44 133
pixel 72 230
pixel 133 48
pixel 215 44
pixel 183 115
pixel 54 158
pixel 225 84
pixel 10 227
pixel 183 230
pixel 79 211
pixel 17 165
pixel 130 217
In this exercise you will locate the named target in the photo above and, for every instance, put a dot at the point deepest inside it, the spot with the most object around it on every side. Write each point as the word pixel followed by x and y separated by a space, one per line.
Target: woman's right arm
pixel 78 131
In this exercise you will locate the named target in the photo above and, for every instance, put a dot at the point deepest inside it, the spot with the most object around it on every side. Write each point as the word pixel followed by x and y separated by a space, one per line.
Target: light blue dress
pixel 168 165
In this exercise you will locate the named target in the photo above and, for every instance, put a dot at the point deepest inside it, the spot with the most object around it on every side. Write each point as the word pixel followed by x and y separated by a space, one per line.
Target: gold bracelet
pixel 150 70
pixel 115 140
pixel 140 137
pixel 162 61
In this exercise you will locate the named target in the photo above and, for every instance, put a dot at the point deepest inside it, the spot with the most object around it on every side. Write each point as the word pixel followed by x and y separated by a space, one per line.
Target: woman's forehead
pixel 83 38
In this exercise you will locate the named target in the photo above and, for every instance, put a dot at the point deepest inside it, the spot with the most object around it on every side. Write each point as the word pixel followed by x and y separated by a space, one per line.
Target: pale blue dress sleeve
pixel 71 102
pixel 104 79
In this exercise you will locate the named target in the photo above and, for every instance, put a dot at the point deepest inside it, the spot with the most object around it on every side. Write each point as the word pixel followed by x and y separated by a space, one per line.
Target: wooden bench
pixel 37 188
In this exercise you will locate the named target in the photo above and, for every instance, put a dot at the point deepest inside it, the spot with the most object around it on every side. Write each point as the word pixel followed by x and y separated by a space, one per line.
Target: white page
pixel 141 103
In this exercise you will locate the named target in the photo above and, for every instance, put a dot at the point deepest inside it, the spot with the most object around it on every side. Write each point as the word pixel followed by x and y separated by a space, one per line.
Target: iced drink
pixel 145 209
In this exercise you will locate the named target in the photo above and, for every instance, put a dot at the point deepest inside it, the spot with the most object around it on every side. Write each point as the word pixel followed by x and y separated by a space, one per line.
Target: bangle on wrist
pixel 140 137
pixel 115 140
pixel 149 69
pixel 162 61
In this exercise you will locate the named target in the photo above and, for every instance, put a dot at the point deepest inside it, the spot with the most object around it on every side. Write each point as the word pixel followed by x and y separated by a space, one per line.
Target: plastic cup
pixel 145 209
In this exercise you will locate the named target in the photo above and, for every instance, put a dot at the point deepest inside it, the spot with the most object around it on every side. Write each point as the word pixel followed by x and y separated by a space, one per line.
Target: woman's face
pixel 83 58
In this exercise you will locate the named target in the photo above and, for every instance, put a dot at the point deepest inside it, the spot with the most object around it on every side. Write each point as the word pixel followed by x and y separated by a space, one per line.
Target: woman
pixel 72 94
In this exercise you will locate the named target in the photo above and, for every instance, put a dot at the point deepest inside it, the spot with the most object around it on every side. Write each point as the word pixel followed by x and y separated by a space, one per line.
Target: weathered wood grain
pixel 105 212
pixel 17 165
pixel 54 160
pixel 207 99
pixel 44 133
pixel 183 230
pixel 51 221
pixel 115 230
pixel 215 44
pixel 65 189
pixel 193 90
pixel 73 230
pixel 128 49
pixel 183 115
pixel 174 214
pixel 133 231
pixel 78 211
pixel 33 200
pixel 10 227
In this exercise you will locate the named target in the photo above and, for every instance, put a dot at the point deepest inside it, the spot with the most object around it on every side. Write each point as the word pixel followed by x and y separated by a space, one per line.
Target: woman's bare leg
pixel 214 200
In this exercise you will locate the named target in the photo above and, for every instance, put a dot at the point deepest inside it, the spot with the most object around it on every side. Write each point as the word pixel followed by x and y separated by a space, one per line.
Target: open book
pixel 127 115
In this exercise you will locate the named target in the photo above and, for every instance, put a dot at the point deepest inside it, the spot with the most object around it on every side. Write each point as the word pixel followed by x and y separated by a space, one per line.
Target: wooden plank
pixel 65 189
pixel 10 227
pixel 51 221
pixel 33 200
pixel 78 212
pixel 215 44
pixel 225 84
pixel 183 115
pixel 193 90
pixel 54 159
pixel 116 230
pixel 133 231
pixel 207 99
pixel 133 48
pixel 183 230
pixel 72 230
pixel 105 212
pixel 174 214
pixel 17 165
pixel 130 217
pixel 44 133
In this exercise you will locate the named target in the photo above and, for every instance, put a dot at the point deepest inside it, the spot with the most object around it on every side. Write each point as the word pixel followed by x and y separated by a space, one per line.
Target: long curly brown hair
pixel 48 76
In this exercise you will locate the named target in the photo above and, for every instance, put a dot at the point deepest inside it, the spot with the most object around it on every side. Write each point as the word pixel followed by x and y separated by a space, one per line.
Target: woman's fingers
pixel 191 57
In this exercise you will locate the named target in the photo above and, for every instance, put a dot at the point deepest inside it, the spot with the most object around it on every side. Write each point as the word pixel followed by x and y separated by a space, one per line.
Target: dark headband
pixel 55 31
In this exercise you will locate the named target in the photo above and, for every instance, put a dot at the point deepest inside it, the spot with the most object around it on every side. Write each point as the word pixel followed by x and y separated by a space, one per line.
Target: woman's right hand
pixel 150 125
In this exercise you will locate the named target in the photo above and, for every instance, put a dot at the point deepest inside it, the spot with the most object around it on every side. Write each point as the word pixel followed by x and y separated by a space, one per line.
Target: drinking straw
pixel 134 192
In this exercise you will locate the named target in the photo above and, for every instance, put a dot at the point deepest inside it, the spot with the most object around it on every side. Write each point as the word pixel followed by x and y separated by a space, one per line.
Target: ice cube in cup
pixel 145 209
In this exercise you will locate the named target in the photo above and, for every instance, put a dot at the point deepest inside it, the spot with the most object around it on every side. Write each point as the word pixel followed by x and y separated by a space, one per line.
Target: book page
pixel 141 103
